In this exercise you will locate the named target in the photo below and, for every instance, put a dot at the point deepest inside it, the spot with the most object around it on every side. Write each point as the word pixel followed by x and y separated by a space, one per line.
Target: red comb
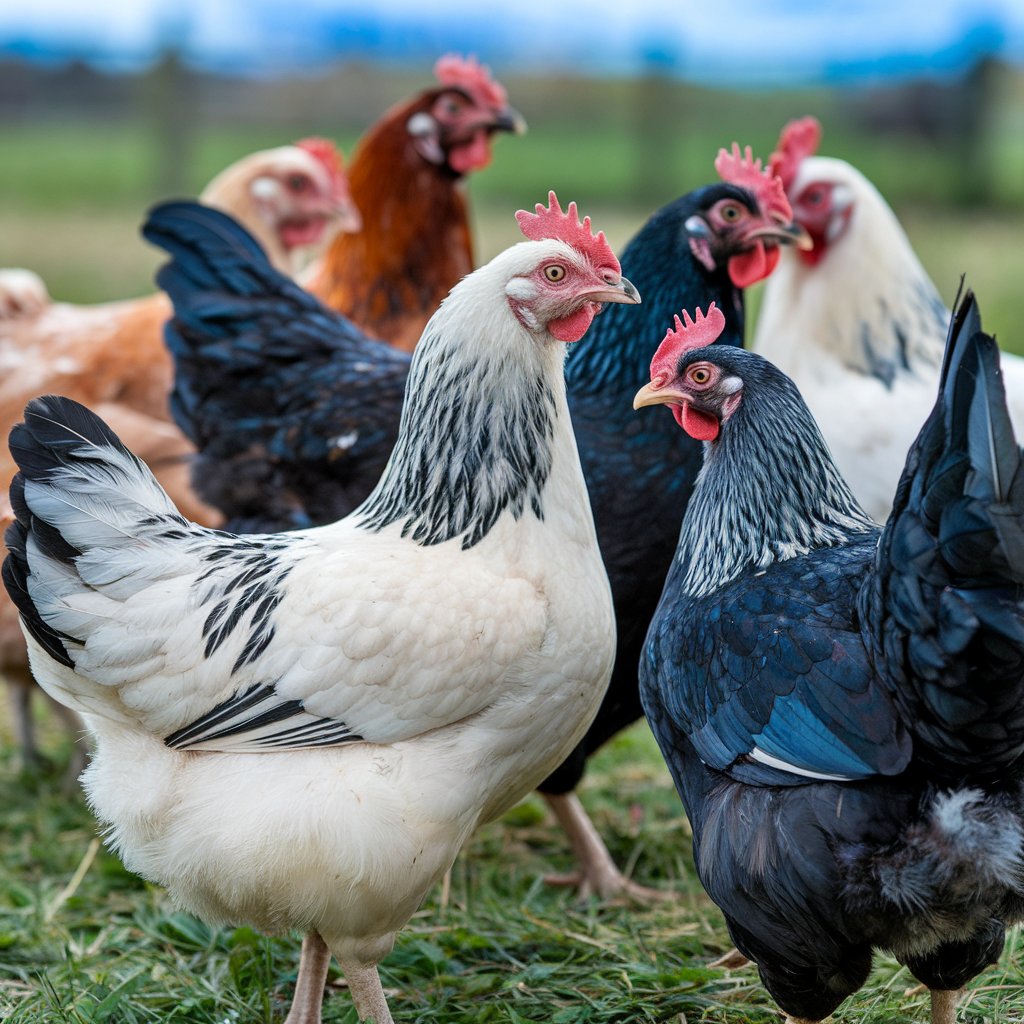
pixel 799 139
pixel 703 330
pixel 330 156
pixel 325 151
pixel 743 170
pixel 469 74
pixel 551 222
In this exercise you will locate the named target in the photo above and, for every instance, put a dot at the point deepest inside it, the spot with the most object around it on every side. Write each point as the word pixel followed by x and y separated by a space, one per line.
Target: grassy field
pixel 83 941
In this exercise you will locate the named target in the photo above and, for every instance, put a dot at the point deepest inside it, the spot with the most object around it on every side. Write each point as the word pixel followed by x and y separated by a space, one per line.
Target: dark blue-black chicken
pixel 842 706
pixel 294 412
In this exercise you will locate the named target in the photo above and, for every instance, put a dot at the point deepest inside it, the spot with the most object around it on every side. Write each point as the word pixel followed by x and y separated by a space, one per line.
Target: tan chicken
pixel 112 358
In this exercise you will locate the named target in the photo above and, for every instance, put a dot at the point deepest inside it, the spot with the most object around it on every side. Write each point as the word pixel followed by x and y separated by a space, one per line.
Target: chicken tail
pixel 944 608
pixel 79 490
pixel 942 869
pixel 225 292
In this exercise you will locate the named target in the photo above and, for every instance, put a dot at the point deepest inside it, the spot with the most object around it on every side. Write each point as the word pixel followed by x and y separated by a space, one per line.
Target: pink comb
pixel 325 151
pixel 328 154
pixel 551 222
pixel 743 170
pixel 799 139
pixel 469 74
pixel 688 334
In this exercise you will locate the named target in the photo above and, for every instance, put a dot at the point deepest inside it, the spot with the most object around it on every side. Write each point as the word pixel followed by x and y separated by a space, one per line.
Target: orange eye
pixel 731 212
pixel 554 272
pixel 700 375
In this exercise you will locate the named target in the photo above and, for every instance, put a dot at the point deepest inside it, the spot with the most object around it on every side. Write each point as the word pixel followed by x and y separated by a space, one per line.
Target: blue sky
pixel 722 41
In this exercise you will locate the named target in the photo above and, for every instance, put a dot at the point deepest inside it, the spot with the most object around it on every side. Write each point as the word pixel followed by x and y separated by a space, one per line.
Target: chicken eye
pixel 731 213
pixel 298 182
pixel 700 375
pixel 554 272
pixel 814 197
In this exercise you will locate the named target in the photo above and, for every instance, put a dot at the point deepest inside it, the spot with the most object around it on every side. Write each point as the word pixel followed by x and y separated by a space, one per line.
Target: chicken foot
pixel 730 961
pixel 597 874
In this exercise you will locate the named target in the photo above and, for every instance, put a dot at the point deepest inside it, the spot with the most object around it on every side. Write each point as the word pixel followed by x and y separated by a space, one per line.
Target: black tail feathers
pixel 946 604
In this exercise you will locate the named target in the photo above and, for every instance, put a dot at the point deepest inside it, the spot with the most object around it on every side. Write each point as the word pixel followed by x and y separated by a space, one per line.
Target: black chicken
pixel 842 706
pixel 294 411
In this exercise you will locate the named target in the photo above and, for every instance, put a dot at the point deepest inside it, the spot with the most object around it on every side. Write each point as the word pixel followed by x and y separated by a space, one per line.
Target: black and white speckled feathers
pixel 769 489
pixel 461 461
pixel 98 514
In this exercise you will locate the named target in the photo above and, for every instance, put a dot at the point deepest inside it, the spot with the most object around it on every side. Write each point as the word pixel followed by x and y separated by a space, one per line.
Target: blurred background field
pixel 84 153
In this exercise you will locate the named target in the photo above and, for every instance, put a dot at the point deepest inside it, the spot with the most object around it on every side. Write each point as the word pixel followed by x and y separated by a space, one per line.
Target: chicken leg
pixel 367 993
pixel 20 687
pixel 597 874
pixel 19 692
pixel 309 986
pixel 944 1005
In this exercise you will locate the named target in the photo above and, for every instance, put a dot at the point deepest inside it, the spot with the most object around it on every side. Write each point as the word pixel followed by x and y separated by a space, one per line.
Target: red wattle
pixel 699 425
pixel 574 326
pixel 471 156
pixel 747 268
pixel 302 232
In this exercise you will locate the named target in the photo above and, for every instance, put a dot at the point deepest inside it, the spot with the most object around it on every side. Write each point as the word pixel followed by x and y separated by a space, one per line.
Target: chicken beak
pixel 785 234
pixel 621 292
pixel 509 120
pixel 657 394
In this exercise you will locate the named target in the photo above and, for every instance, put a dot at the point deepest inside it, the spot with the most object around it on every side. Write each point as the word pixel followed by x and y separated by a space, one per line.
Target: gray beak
pixel 621 292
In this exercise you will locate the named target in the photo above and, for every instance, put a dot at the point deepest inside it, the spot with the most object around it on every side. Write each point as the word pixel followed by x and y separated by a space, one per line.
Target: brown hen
pixel 406 176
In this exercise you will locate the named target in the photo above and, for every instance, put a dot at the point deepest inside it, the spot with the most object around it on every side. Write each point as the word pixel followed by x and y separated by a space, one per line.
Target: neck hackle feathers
pixel 799 140
pixel 741 169
pixel 474 78
pixel 551 222
pixel 688 334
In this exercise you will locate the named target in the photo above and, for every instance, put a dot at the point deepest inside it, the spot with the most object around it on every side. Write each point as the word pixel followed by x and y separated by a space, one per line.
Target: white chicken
pixel 300 731
pixel 856 322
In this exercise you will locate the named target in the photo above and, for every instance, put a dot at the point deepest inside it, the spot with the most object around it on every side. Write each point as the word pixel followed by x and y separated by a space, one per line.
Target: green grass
pixel 504 948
